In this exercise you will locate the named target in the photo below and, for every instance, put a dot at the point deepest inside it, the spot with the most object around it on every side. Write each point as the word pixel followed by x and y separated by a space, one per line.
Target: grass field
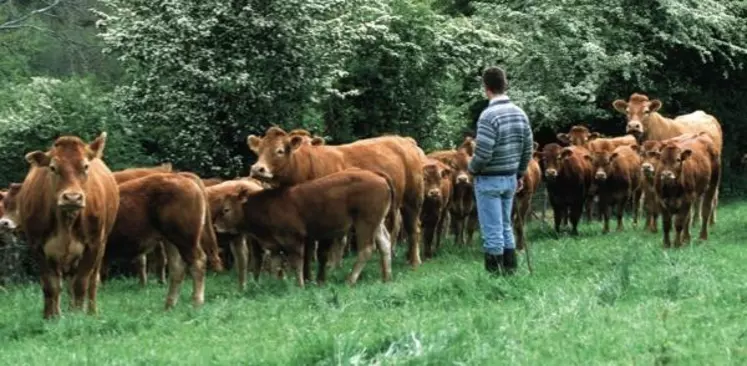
pixel 613 299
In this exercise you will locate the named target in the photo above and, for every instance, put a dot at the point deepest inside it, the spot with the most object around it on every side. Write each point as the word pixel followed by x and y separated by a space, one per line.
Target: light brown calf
pixel 285 219
pixel 437 178
pixel 523 200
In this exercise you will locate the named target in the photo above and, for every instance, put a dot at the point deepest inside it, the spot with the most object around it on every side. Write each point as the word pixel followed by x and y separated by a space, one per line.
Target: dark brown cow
pixel 645 122
pixel 286 160
pixel 462 209
pixel 68 203
pixel 568 176
pixel 686 171
pixel 523 199
pixel 437 178
pixel 164 207
pixel 287 218
pixel 240 243
pixel 618 178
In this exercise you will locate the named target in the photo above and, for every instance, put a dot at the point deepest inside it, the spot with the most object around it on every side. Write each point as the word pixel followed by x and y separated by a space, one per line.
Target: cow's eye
pixel 53 168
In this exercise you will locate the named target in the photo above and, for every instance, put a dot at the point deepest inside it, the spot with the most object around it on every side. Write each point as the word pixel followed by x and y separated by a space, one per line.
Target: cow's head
pixel 231 213
pixel 459 166
pixel 671 159
pixel 274 152
pixel 307 137
pixel 68 162
pixel 434 173
pixel 550 160
pixel 638 110
pixel 577 135
pixel 650 157
pixel 9 219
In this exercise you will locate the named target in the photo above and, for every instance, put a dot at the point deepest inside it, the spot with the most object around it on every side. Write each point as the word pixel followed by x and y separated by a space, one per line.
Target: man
pixel 502 152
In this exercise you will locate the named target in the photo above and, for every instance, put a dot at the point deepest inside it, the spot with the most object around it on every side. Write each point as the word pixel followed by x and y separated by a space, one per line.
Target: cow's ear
pixel 243 194
pixel 446 172
pixel 2 195
pixel 620 106
pixel 563 137
pixel 535 146
pixel 537 155
pixel 566 153
pixel 253 142
pixel 635 147
pixel 95 149
pixel 594 136
pixel 295 142
pixel 654 154
pixel 38 158
pixel 317 141
pixel 469 146
pixel 654 105
pixel 613 156
pixel 686 154
pixel 588 158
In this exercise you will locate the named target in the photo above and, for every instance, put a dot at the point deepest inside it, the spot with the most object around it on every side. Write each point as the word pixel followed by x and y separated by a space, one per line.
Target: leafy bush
pixel 33 114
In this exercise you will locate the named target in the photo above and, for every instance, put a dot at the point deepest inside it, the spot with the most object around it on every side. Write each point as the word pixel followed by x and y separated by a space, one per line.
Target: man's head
pixel 494 81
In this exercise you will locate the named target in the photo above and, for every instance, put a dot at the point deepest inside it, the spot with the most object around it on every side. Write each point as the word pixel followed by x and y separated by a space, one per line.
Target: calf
pixel 618 178
pixel 649 160
pixel 68 205
pixel 462 209
pixel 437 177
pixel 240 243
pixel 568 176
pixel 285 218
pixel 523 200
pixel 163 207
pixel 687 171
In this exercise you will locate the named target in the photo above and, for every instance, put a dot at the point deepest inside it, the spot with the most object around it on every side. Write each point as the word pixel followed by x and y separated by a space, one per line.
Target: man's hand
pixel 519 184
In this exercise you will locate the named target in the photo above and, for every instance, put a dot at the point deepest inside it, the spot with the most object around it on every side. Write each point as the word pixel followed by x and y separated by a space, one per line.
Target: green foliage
pixel 33 114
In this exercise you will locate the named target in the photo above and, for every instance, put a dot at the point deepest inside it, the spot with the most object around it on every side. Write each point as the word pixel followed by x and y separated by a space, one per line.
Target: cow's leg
pixel 240 252
pixel 686 227
pixel 429 228
pixel 141 265
pixel 604 208
pixel 459 230
pixel 296 260
pixel 176 274
pixel 309 250
pixel 589 208
pixel 257 258
pixel 322 254
pixel 51 280
pixel 620 212
pixel 159 256
pixel 411 224
pixel 472 223
pixel 575 214
pixel 439 230
pixel 636 205
pixel 681 218
pixel 558 215
pixel 93 281
pixel 394 223
pixel 707 211
pixel 383 241
pixel 336 252
pixel 365 249
pixel 666 226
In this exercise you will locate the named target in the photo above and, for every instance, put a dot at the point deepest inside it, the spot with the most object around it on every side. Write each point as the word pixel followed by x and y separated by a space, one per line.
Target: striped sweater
pixel 504 140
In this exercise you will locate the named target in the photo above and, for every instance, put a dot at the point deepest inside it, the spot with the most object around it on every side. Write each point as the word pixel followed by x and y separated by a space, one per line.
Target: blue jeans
pixel 494 196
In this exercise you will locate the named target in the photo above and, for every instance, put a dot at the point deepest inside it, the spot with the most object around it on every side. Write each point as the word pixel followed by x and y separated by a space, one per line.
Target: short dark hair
pixel 494 79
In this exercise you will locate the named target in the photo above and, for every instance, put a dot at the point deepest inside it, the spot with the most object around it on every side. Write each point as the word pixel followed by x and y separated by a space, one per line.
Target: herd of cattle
pixel 306 201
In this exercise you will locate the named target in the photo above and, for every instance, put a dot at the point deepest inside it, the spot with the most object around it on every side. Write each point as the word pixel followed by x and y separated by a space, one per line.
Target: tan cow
pixel 437 177
pixel 68 203
pixel 462 209
pixel 287 160
pixel 287 218
pixel 685 172
pixel 618 178
pixel 523 199
pixel 644 121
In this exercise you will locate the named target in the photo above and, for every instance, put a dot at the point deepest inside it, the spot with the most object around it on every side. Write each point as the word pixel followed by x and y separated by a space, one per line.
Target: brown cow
pixel 578 135
pixel 437 178
pixel 462 209
pixel 68 203
pixel 568 176
pixel 240 243
pixel 618 178
pixel 307 138
pixel 685 172
pixel 523 199
pixel 649 161
pixel 288 217
pixel 209 182
pixel 644 121
pixel 286 160
pixel 164 207
pixel 9 220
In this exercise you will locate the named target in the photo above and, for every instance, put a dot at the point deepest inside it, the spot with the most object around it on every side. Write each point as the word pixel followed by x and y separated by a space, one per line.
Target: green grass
pixel 612 299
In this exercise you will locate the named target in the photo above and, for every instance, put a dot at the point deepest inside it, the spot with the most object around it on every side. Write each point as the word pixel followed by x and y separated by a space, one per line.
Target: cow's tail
pixel 208 239
pixel 390 185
